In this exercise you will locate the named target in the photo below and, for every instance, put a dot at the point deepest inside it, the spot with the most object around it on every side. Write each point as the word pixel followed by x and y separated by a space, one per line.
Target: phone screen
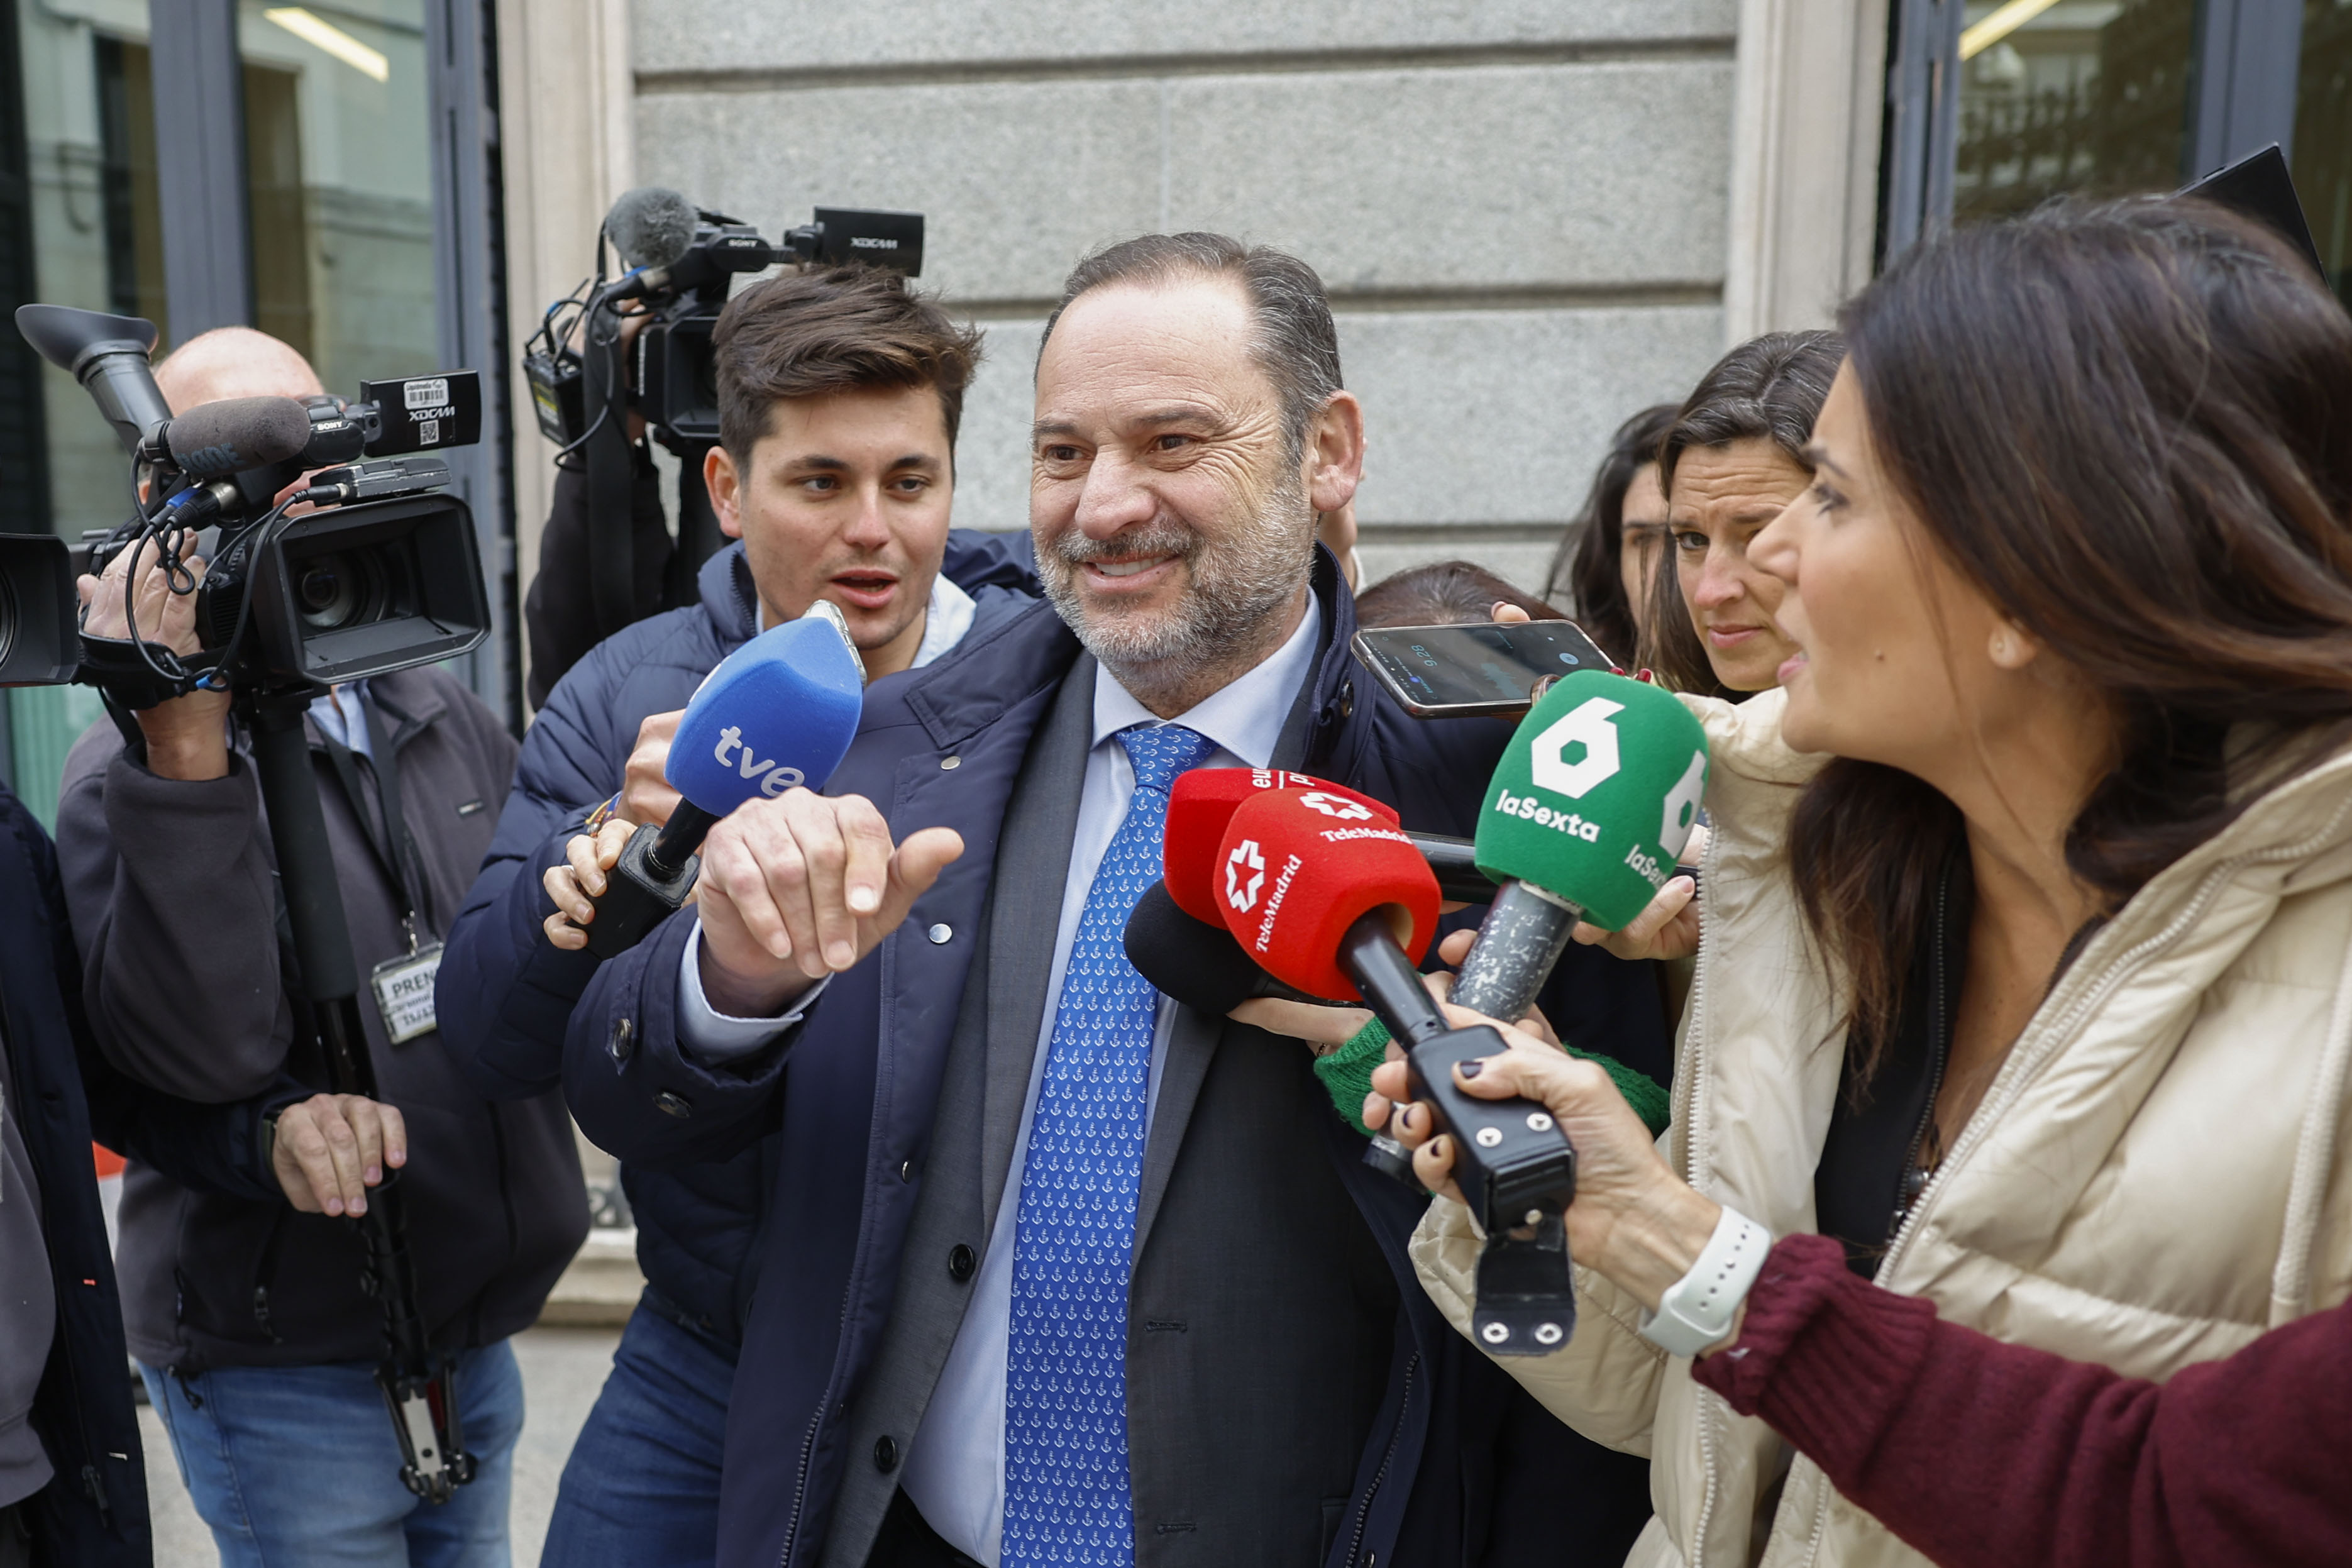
pixel 1478 668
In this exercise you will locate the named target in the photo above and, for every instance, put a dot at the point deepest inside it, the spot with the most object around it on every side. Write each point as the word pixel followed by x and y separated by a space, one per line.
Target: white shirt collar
pixel 1246 716
pixel 945 622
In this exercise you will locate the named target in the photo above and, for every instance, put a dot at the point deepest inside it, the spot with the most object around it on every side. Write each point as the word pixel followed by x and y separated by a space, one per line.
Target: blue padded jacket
pixel 505 994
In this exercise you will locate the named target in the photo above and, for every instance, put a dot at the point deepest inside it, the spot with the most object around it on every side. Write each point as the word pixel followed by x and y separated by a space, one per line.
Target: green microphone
pixel 1592 801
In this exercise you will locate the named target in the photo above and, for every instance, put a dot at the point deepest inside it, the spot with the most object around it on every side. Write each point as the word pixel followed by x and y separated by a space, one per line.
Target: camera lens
pixel 340 589
pixel 328 592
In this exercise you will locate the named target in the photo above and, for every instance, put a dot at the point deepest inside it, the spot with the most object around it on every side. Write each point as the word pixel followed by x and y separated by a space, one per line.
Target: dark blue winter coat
pixel 854 1099
pixel 505 993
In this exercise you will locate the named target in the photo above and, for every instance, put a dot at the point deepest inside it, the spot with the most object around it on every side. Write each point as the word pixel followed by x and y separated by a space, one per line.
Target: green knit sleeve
pixel 1347 1075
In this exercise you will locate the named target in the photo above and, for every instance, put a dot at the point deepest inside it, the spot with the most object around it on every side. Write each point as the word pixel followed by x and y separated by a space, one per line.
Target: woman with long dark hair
pixel 2027 907
pixel 1606 566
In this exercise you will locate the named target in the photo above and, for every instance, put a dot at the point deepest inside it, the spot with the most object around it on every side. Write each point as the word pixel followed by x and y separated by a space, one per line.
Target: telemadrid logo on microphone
pixel 1247 858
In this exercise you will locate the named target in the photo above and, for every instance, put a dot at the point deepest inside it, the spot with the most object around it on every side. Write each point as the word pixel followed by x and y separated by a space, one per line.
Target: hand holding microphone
pixel 778 712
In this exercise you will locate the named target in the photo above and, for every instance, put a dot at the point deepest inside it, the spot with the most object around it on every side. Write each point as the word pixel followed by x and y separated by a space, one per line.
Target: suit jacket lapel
pixel 1033 864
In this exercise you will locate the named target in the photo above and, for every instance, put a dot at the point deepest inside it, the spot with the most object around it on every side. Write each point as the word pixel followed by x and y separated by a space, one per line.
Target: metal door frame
pixel 2242 99
pixel 208 265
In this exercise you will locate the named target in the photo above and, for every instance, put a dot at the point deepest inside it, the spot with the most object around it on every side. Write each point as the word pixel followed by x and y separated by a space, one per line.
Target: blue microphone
pixel 777 714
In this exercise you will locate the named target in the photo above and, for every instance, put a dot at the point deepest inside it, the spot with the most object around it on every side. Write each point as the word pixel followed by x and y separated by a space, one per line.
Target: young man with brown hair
pixel 840 393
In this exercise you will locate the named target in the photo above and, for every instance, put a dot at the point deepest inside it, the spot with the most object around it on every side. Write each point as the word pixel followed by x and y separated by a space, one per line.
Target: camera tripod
pixel 419 1384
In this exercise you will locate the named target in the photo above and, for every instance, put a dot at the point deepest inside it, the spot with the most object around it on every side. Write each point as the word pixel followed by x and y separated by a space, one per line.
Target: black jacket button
pixel 623 1044
pixel 675 1105
pixel 886 1454
pixel 960 1262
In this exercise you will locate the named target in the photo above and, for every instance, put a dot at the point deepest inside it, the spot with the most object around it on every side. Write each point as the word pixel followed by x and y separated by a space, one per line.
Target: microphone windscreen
pixel 1596 794
pixel 1198 963
pixel 778 712
pixel 237 434
pixel 1203 800
pixel 1296 868
pixel 651 226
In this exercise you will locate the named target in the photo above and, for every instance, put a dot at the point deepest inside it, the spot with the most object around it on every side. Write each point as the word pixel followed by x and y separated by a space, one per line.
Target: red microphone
pixel 1296 869
pixel 1203 800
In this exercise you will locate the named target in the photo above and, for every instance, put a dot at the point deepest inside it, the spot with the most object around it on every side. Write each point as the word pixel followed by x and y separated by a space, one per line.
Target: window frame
pixel 2242 99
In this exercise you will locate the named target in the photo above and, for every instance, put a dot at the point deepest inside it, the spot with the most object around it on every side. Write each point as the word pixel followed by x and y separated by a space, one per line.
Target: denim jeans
pixel 641 1489
pixel 298 1465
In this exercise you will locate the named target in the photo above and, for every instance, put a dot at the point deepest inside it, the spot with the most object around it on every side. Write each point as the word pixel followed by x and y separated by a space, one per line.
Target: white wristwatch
pixel 1697 1309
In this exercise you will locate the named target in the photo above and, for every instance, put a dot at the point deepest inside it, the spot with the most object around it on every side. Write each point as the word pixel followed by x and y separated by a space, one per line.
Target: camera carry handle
pixel 419 1386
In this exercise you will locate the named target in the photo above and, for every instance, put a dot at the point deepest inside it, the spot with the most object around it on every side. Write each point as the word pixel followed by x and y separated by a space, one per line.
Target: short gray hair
pixel 1294 342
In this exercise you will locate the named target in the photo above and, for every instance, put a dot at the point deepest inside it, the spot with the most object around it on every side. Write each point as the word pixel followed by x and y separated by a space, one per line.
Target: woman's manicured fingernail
pixel 1473 1068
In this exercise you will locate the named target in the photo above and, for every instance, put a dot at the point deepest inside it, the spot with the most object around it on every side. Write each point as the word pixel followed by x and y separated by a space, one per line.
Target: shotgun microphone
pixel 651 226
pixel 1593 800
pixel 777 714
pixel 237 434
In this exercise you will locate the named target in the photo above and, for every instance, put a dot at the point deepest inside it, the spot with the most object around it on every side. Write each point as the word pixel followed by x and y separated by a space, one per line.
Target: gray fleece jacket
pixel 173 895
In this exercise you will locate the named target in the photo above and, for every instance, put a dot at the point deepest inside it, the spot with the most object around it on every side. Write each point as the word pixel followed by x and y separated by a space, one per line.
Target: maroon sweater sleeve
pixel 1985 1454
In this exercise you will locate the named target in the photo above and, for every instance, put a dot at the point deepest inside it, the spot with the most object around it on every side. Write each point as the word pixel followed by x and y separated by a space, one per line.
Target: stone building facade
pixel 1535 216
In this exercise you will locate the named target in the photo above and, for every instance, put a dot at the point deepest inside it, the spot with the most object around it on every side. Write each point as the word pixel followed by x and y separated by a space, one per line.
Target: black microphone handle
pixel 1455 862
pixel 1393 987
pixel 1521 939
pixel 680 837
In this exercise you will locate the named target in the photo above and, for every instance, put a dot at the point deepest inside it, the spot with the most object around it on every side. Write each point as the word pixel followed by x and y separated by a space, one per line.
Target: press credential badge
pixel 403 992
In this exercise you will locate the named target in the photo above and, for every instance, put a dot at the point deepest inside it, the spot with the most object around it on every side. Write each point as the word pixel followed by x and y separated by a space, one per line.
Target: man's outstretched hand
pixel 801 886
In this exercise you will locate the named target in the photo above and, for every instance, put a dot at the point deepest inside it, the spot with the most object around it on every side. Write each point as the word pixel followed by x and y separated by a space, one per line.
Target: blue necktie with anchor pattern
pixel 1066 1499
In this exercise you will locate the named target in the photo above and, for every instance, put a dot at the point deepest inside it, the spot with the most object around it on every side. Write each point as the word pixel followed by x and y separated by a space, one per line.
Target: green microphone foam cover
pixel 1596 794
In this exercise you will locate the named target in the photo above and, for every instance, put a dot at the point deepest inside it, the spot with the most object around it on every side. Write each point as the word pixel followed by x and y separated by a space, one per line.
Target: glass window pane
pixel 2323 135
pixel 339 154
pixel 2082 95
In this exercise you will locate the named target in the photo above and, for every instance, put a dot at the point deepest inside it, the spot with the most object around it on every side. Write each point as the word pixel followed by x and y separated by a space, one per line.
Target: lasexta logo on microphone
pixel 1247 861
pixel 1587 725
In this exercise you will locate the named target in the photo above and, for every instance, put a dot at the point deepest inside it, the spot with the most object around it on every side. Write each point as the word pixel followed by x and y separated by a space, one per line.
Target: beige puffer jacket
pixel 2160 1172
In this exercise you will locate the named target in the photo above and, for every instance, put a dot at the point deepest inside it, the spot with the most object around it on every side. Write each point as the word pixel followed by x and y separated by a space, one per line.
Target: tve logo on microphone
pixel 778 711
pixel 773 777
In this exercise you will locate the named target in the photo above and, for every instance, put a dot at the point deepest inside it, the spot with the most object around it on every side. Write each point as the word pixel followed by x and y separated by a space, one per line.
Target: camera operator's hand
pixel 803 885
pixel 187 737
pixel 632 322
pixel 646 795
pixel 1633 1219
pixel 332 1148
pixel 579 882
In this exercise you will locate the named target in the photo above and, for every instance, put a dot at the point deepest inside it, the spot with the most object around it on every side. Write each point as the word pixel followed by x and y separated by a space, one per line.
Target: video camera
pixel 382 574
pixel 683 260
